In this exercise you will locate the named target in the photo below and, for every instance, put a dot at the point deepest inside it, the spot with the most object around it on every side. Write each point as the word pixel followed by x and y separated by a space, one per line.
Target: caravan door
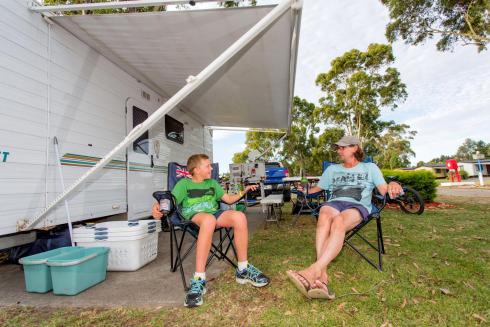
pixel 139 164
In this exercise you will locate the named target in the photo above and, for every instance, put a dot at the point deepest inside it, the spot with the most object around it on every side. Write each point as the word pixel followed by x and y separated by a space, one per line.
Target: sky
pixel 448 92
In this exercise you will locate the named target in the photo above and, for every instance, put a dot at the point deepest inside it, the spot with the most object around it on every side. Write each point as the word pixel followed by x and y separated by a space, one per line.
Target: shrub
pixel 464 174
pixel 422 181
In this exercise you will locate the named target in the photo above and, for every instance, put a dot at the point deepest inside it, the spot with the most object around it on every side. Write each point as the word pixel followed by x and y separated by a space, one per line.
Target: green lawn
pixel 436 272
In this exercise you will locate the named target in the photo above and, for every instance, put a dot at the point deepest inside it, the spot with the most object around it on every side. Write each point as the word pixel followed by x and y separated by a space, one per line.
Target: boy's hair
pixel 194 161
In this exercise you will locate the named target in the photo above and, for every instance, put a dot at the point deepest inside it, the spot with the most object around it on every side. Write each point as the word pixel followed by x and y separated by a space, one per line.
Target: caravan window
pixel 141 143
pixel 174 130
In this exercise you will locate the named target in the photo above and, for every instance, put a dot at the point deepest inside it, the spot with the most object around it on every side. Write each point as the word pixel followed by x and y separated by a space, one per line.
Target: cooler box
pixel 132 244
pixel 76 271
pixel 37 273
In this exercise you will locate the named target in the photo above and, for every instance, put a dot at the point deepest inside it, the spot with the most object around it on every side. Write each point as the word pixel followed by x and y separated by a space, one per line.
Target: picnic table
pixel 273 203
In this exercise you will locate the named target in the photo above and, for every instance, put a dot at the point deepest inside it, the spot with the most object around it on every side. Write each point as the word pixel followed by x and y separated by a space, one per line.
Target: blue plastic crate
pixel 37 273
pixel 75 272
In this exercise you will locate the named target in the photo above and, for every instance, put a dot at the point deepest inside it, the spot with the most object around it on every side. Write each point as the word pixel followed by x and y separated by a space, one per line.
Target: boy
pixel 199 198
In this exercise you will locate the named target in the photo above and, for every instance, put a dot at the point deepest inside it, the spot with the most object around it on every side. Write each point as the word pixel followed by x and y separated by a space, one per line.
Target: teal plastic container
pixel 37 273
pixel 75 272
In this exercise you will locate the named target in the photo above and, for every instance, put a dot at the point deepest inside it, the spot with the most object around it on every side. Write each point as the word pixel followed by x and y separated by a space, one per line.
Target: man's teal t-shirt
pixel 354 184
pixel 197 197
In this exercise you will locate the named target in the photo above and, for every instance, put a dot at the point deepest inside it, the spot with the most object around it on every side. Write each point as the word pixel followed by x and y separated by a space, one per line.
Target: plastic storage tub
pixel 37 273
pixel 128 253
pixel 132 244
pixel 76 271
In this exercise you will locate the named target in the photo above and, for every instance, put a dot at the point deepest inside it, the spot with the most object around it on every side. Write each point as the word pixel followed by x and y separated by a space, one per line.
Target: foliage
pixel 422 181
pixel 357 86
pixel 393 148
pixel 465 151
pixel 463 173
pixel 102 11
pixel 469 148
pixel 454 22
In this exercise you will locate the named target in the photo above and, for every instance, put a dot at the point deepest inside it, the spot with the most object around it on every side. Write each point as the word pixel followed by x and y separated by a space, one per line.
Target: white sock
pixel 242 265
pixel 200 275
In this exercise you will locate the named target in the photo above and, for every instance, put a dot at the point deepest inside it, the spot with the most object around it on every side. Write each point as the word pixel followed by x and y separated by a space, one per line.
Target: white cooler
pixel 132 244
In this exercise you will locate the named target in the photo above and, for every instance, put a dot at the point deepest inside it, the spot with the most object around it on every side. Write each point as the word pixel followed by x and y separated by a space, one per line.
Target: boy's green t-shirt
pixel 197 197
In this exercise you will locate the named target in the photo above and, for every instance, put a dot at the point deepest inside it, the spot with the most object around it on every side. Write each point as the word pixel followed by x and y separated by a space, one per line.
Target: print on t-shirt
pixel 348 185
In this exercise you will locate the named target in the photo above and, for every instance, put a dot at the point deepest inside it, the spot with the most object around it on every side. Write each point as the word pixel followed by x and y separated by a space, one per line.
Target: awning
pixel 244 60
pixel 163 49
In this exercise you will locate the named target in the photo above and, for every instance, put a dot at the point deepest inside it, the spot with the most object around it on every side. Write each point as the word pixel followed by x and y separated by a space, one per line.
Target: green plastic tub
pixel 75 272
pixel 37 273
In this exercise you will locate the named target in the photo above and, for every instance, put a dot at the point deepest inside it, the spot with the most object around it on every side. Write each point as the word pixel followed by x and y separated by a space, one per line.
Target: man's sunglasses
pixel 341 147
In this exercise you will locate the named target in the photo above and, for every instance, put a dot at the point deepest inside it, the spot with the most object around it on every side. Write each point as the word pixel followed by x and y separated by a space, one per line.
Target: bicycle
pixel 410 201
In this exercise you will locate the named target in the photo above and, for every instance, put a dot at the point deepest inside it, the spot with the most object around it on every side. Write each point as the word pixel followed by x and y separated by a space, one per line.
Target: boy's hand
pixel 251 187
pixel 155 211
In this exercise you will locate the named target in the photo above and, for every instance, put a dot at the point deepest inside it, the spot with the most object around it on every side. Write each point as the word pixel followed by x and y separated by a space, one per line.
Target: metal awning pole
pixel 193 82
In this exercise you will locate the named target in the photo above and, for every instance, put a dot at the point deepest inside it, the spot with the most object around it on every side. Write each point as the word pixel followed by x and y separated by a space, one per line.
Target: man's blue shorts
pixel 344 205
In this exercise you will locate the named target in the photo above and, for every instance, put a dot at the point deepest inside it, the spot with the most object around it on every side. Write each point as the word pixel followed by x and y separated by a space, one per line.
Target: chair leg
pixel 380 231
pixel 178 260
pixel 172 232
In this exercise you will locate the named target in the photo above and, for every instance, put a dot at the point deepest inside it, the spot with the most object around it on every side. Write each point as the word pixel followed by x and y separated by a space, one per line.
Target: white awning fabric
pixel 163 49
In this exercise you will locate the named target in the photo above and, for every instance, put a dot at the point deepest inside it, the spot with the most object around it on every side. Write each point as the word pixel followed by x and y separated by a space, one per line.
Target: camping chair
pixel 176 222
pixel 378 202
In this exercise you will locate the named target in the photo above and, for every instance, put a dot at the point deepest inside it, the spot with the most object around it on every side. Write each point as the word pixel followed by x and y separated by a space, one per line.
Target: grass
pixel 436 272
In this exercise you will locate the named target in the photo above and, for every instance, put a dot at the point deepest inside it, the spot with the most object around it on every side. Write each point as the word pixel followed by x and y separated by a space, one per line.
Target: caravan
pixel 124 94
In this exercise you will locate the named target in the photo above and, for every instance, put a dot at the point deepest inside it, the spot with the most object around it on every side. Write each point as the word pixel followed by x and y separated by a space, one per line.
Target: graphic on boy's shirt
pixel 200 200
pixel 197 193
pixel 348 185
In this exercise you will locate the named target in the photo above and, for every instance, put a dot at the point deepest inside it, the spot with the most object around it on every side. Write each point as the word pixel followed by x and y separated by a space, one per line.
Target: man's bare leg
pixel 341 224
pixel 325 218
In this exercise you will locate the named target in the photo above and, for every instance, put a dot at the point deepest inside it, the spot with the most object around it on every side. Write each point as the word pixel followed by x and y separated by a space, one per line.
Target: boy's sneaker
pixel 195 293
pixel 251 275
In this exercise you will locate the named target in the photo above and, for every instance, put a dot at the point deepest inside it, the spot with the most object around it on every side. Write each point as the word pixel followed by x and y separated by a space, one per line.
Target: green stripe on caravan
pixel 78 160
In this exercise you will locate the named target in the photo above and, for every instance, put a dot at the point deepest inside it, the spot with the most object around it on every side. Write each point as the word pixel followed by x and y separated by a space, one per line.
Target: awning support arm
pixel 249 37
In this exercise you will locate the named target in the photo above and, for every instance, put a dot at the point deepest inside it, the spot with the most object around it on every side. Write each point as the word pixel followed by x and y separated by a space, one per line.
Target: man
pixel 351 184
pixel 199 198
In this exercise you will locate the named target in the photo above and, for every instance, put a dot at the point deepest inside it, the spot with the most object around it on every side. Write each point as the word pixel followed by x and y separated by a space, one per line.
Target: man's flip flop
pixel 321 291
pixel 302 286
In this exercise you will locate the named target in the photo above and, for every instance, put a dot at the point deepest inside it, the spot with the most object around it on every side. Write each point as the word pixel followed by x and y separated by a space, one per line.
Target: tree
pixel 393 148
pixel 301 141
pixel 440 160
pixel 469 148
pixel 454 21
pixel 266 142
pixel 420 163
pixel 357 86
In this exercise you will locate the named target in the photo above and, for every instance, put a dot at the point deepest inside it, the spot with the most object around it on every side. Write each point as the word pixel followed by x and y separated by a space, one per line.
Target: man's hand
pixel 155 211
pixel 394 190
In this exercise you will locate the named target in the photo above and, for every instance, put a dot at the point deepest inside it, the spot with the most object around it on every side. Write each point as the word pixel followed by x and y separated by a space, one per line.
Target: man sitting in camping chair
pixel 351 184
pixel 199 198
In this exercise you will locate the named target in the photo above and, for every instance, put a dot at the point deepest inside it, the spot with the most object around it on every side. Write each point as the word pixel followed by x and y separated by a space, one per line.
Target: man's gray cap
pixel 348 140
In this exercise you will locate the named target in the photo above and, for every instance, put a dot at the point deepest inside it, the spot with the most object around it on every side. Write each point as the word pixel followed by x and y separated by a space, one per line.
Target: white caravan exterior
pixel 92 80
pixel 54 85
